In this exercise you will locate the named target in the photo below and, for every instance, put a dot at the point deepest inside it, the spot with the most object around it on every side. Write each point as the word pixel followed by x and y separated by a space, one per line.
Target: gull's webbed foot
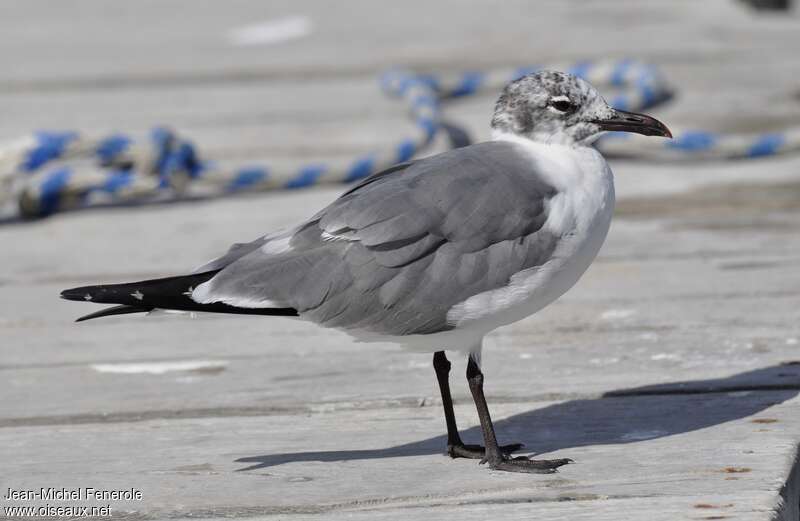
pixel 526 465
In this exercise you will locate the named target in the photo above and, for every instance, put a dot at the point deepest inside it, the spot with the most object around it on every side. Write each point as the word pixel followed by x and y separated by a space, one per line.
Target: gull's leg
pixel 455 447
pixel 494 455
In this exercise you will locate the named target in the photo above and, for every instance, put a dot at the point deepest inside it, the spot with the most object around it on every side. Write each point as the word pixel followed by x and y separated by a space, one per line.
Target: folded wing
pixel 396 252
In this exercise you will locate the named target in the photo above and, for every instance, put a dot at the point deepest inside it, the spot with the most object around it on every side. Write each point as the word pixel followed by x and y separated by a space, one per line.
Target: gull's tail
pixel 167 293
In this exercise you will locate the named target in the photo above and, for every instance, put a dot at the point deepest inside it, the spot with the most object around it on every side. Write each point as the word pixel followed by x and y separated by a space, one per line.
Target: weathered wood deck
pixel 670 374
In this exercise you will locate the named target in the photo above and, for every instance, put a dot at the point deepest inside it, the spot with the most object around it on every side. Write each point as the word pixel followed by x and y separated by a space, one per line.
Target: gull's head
pixel 559 108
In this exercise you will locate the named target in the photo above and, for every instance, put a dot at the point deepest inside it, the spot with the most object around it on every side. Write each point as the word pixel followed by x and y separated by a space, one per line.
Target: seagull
pixel 433 254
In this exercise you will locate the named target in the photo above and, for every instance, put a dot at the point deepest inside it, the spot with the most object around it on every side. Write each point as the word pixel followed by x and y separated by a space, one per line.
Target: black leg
pixel 494 455
pixel 442 367
pixel 455 447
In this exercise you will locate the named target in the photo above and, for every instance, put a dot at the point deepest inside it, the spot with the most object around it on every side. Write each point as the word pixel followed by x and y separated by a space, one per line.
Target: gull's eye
pixel 562 105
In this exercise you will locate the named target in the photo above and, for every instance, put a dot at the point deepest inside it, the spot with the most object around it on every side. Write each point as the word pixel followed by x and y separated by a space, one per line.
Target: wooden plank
pixel 631 453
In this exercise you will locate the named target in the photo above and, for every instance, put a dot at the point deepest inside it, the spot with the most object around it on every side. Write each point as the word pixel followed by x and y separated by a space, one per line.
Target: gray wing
pixel 394 254
pixel 236 252
pixel 240 249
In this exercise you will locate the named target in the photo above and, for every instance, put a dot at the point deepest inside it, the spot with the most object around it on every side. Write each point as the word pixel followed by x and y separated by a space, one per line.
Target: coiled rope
pixel 55 171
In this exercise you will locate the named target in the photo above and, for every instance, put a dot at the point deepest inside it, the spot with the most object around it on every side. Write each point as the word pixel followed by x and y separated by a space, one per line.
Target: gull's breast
pixel 580 216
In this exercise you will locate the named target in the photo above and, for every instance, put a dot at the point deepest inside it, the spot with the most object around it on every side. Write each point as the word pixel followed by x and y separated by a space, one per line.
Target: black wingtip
pixel 74 294
pixel 165 293
pixel 114 310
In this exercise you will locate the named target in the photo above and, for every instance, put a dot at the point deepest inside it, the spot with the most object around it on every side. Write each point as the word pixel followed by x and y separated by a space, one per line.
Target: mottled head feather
pixel 550 107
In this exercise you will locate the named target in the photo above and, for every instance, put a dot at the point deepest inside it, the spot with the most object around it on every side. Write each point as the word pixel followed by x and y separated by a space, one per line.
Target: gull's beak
pixel 624 121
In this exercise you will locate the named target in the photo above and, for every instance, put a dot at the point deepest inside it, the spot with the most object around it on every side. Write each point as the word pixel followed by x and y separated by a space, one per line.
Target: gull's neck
pixel 564 165
pixel 556 140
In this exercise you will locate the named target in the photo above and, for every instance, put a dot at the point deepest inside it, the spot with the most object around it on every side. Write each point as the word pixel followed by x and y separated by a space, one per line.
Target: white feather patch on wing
pixel 277 246
pixel 204 294
pixel 349 236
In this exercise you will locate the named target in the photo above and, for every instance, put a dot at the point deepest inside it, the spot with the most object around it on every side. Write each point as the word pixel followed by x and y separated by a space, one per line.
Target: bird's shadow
pixel 618 417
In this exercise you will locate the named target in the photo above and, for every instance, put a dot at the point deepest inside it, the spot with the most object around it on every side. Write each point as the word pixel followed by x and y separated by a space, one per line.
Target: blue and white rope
pixel 56 171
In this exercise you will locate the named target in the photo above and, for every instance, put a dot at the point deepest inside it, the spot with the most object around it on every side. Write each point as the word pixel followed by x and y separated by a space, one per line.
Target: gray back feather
pixel 395 253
